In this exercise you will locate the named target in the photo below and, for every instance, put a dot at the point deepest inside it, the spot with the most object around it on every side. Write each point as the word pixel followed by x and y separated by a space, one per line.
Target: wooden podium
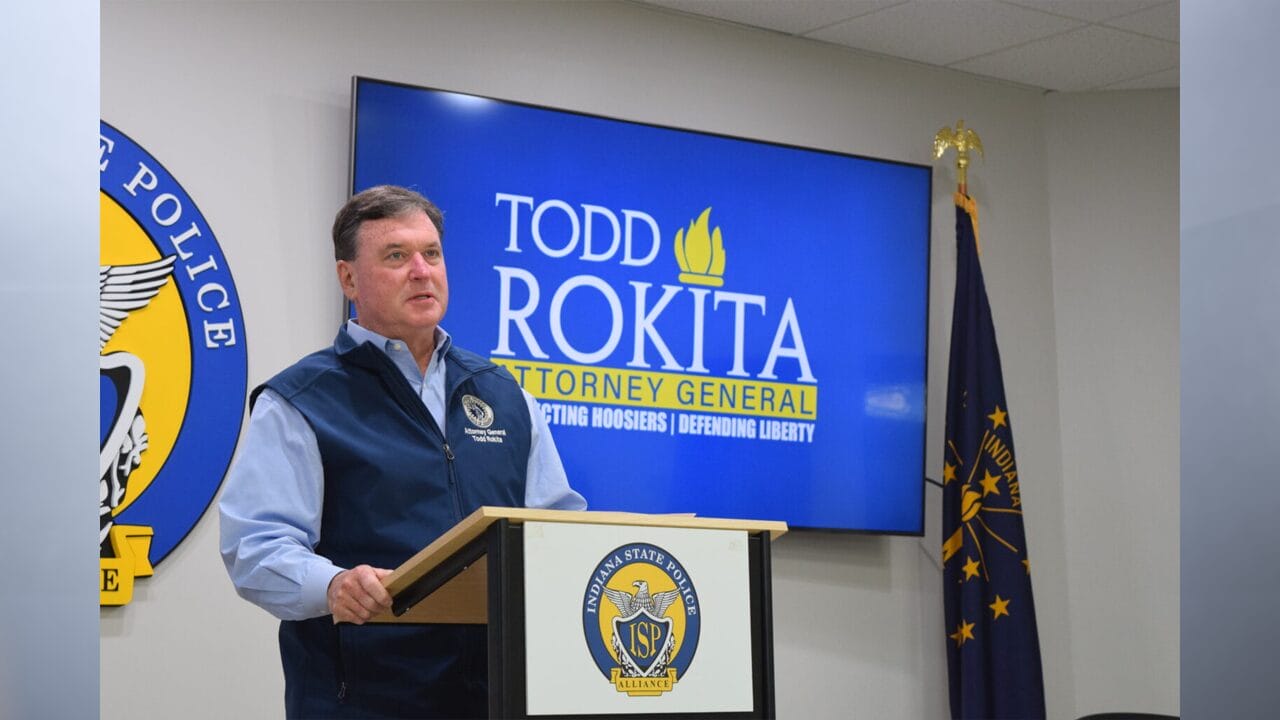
pixel 475 574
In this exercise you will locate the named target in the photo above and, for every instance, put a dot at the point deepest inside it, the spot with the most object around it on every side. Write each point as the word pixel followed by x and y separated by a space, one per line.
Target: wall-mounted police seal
pixel 173 364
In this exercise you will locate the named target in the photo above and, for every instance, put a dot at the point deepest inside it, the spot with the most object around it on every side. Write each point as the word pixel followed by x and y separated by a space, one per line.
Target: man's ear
pixel 347 279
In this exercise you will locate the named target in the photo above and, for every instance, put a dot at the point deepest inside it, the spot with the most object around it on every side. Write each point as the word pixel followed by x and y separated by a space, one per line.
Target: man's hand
pixel 357 594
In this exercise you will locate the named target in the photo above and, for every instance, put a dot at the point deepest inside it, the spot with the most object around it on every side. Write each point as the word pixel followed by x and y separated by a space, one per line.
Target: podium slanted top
pixel 475 524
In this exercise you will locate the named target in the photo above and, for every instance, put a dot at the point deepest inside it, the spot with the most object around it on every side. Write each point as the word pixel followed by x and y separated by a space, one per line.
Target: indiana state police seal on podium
pixel 641 619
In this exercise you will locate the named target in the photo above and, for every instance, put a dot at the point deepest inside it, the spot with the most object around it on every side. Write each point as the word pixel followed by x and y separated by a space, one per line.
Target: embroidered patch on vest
pixel 481 415
pixel 478 411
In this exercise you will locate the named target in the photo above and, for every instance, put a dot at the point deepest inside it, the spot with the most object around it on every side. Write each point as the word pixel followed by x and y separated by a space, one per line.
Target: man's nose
pixel 418 266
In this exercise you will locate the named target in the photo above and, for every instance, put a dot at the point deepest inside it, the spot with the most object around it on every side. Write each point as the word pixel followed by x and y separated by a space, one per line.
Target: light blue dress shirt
pixel 273 497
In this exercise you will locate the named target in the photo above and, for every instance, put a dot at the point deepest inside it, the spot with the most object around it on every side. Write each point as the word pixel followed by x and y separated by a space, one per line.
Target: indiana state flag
pixel 993 650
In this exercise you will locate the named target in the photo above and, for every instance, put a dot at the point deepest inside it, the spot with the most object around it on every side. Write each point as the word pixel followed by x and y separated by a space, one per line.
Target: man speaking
pixel 358 456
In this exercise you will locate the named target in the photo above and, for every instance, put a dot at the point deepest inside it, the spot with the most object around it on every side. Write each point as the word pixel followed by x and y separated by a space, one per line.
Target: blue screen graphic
pixel 712 325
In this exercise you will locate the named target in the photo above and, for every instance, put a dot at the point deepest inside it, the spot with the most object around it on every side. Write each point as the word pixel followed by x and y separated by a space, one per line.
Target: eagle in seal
pixel 628 604
pixel 122 289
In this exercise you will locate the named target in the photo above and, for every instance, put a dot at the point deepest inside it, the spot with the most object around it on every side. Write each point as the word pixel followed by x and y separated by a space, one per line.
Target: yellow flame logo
pixel 700 253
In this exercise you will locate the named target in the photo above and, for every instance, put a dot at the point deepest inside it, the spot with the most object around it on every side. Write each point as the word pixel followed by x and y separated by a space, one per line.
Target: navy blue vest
pixel 392 484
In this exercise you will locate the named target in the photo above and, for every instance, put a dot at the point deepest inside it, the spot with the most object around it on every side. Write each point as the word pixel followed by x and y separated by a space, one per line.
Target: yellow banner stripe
pixel 132 547
pixel 563 382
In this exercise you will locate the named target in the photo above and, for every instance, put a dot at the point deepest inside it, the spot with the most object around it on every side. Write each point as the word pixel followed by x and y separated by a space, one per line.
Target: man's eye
pixel 396 255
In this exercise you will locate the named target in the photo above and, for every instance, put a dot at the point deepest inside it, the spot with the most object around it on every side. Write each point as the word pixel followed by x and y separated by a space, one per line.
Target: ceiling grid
pixel 1059 45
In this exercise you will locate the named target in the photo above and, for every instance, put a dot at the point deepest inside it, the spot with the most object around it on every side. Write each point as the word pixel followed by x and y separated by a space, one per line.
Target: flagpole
pixel 963 139
pixel 992 641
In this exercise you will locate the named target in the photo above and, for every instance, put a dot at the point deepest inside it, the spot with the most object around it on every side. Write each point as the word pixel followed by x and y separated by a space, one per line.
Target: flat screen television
pixel 712 324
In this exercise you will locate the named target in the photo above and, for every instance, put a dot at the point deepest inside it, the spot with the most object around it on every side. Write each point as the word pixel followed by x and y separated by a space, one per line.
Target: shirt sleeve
pixel 546 485
pixel 270 514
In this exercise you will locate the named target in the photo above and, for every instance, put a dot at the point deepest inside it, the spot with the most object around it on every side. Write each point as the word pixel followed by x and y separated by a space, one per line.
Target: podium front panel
pixel 636 620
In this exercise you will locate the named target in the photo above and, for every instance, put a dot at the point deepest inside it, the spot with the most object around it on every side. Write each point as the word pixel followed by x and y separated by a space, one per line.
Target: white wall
pixel 1113 211
pixel 248 105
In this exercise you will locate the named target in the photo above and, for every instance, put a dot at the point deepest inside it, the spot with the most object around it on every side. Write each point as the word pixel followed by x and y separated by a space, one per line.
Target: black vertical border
pixel 507 698
pixel 760 573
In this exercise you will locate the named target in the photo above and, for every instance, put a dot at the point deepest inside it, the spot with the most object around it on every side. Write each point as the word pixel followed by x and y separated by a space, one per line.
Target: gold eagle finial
pixel 963 139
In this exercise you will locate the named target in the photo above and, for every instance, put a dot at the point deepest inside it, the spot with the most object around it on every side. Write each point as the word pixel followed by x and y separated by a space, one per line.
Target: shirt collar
pixel 361 334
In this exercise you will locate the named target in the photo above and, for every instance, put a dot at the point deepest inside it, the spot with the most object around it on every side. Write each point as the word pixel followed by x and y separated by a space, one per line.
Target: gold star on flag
pixel 997 418
pixel 999 607
pixel 971 569
pixel 948 472
pixel 1027 565
pixel 963 632
pixel 990 483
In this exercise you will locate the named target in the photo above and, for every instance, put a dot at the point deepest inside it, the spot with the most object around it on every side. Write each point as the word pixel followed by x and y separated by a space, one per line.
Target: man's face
pixel 397 279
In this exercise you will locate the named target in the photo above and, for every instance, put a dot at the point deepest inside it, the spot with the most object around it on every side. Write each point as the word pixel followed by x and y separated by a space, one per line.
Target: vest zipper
pixel 341 663
pixel 453 481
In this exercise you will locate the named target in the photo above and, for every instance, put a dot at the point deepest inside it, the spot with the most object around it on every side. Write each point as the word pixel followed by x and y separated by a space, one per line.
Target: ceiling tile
pixel 1090 10
pixel 941 33
pixel 1160 21
pixel 1163 79
pixel 789 16
pixel 1084 59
